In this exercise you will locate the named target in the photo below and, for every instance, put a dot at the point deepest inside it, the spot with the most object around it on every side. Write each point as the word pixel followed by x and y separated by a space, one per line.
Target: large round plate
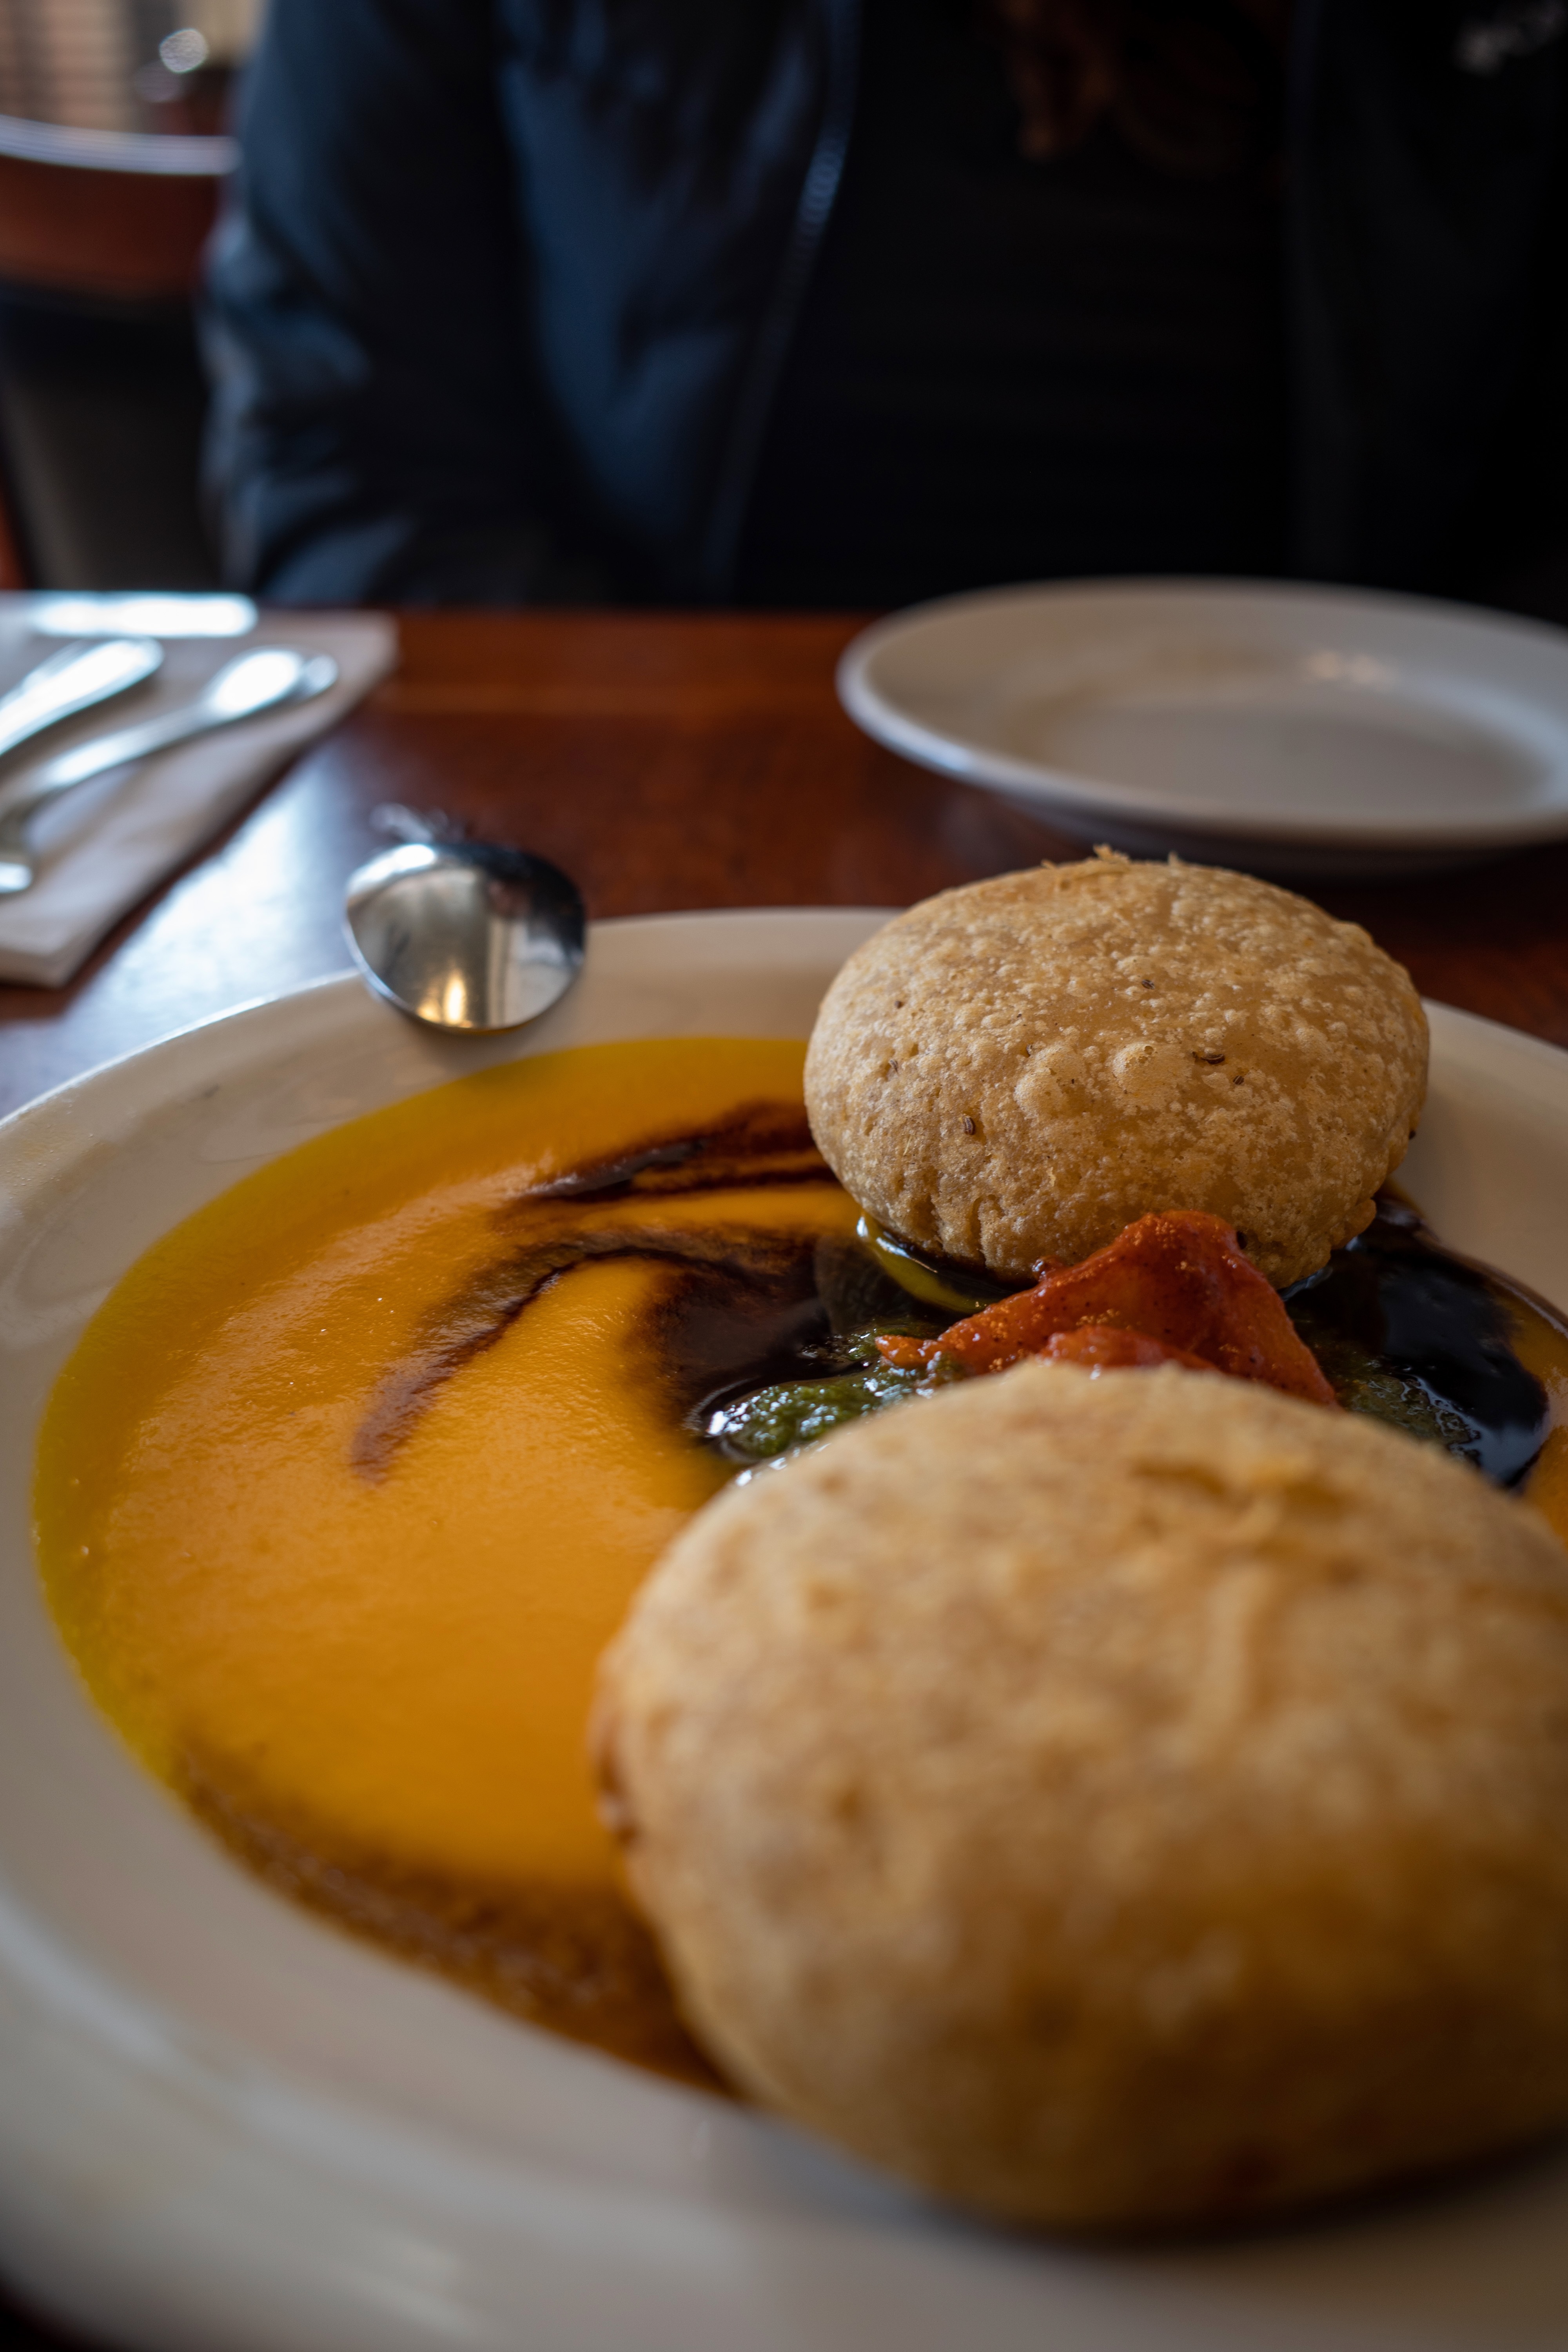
pixel 1292 731
pixel 223 2127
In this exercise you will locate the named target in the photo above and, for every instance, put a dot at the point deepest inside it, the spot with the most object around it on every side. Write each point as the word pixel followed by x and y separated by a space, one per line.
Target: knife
pixel 72 680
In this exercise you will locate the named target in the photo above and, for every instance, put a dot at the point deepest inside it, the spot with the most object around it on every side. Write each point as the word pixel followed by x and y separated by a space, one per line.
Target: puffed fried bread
pixel 1111 1801
pixel 1013 1071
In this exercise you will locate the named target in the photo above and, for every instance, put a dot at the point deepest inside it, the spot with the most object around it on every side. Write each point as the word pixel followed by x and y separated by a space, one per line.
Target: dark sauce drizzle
pixel 1406 1331
pixel 741 1296
pixel 765 1339
pixel 1414 1335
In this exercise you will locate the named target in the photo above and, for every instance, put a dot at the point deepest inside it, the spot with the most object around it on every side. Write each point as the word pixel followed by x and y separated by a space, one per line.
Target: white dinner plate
pixel 1292 731
pixel 225 2127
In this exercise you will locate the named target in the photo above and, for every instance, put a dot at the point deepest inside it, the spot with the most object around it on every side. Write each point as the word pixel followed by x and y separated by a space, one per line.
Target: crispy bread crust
pixel 1107 1801
pixel 1015 1070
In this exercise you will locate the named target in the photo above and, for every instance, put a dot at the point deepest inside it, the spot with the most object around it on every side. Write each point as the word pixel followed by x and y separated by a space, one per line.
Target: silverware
pixel 266 678
pixel 74 679
pixel 461 934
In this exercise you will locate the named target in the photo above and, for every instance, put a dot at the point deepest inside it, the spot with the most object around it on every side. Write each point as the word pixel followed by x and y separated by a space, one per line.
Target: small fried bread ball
pixel 1109 1801
pixel 1015 1070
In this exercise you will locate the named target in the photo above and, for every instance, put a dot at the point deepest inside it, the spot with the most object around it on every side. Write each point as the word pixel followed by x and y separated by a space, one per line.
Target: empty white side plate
pixel 1293 730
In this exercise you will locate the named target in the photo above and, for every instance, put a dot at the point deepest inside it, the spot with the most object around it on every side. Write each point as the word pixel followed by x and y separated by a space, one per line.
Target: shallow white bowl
pixel 225 2128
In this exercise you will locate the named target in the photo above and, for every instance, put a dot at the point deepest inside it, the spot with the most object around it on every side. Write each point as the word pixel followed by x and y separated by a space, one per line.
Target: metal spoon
pixel 72 680
pixel 463 934
pixel 265 678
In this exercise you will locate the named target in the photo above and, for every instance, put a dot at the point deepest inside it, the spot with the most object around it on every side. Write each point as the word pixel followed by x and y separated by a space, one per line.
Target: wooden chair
pixel 101 214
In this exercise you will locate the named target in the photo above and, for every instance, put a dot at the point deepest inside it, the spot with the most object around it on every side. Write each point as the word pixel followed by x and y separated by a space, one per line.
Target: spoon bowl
pixel 268 675
pixel 464 934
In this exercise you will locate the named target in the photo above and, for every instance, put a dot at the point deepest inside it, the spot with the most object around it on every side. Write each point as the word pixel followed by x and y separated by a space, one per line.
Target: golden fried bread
pixel 1015 1070
pixel 1132 1800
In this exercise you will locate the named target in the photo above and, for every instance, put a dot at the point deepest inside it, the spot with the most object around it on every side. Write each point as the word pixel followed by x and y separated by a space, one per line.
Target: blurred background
pixel 113 156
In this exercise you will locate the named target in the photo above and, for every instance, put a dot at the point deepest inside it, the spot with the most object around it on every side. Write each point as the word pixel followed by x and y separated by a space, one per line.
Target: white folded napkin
pixel 107 843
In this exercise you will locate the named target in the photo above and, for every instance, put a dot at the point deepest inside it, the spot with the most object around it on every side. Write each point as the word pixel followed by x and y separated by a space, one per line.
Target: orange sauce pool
pixel 371 1677
pixel 335 1529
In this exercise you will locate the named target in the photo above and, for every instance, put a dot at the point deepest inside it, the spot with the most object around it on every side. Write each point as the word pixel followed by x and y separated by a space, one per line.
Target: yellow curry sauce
pixel 335 1531
pixel 371 1675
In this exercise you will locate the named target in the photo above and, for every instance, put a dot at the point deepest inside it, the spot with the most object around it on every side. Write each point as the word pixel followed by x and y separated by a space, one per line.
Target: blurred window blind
pixel 68 61
pixel 75 61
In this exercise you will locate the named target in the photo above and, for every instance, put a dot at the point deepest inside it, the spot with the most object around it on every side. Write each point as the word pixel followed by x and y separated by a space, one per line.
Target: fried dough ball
pixel 1015 1070
pixel 1107 1801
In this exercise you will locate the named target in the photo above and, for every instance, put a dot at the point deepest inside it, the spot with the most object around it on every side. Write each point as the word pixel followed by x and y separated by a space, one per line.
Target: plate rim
pixel 343 983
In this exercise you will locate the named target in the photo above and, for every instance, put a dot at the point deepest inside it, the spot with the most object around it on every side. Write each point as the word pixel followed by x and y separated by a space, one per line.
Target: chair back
pixel 115 214
pixel 118 212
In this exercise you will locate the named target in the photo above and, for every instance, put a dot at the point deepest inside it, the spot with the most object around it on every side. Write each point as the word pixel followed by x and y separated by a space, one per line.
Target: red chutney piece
pixel 1172 1288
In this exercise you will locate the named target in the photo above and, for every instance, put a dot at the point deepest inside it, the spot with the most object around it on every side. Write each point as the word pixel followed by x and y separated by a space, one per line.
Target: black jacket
pixel 501 300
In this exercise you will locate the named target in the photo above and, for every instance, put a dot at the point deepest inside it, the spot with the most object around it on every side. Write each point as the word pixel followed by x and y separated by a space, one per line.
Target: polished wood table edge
pixel 669 760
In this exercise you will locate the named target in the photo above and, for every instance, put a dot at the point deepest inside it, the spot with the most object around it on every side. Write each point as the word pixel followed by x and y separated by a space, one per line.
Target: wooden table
pixel 666 762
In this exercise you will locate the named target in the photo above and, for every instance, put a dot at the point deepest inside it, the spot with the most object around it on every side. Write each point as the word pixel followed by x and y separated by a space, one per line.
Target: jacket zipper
pixel 760 383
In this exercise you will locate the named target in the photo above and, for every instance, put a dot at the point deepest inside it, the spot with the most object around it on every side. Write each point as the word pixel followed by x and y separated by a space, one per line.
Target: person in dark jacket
pixel 854 301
